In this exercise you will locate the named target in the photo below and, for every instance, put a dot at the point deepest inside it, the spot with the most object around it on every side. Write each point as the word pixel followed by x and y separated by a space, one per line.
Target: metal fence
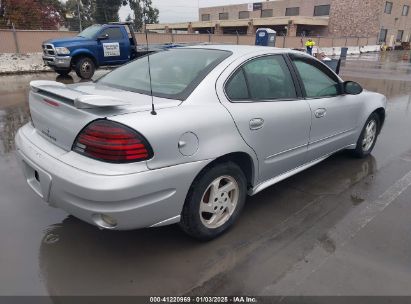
pixel 29 41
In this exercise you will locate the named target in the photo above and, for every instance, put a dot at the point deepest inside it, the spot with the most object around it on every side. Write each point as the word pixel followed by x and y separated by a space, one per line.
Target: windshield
pixel 175 73
pixel 90 32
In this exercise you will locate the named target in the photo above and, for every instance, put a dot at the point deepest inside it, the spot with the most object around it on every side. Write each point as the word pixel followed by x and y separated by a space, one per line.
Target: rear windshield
pixel 175 73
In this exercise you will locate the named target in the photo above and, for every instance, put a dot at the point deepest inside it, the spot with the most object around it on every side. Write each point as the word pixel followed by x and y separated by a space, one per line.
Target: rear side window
pixel 236 87
pixel 264 78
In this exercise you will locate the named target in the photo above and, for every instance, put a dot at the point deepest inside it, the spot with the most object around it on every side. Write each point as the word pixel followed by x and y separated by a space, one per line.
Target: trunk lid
pixel 59 112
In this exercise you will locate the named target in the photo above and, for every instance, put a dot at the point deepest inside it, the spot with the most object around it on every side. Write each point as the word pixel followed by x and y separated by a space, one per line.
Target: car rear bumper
pixel 57 61
pixel 144 199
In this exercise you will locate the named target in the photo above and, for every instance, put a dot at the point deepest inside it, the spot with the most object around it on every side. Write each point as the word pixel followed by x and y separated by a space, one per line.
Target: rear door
pixel 334 116
pixel 272 119
pixel 114 49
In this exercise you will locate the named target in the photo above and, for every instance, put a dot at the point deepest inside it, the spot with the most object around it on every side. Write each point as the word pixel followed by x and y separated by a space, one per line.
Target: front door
pixel 112 50
pixel 272 119
pixel 335 116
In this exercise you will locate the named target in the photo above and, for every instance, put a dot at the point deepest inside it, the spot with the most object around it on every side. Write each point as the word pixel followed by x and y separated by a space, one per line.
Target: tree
pixel 144 13
pixel 31 14
pixel 86 14
pixel 107 10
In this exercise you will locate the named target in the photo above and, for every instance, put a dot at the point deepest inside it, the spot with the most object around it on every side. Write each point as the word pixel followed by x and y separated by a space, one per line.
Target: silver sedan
pixel 188 137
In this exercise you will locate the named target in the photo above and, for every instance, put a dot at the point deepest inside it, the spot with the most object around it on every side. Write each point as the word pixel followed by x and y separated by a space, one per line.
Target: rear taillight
pixel 112 142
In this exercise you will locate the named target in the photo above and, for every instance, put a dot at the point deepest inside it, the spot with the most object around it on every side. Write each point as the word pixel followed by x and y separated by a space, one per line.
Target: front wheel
pixel 214 201
pixel 85 68
pixel 368 137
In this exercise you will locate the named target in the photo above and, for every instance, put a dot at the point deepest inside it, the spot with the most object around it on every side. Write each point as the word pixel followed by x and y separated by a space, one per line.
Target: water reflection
pixel 11 119
pixel 66 79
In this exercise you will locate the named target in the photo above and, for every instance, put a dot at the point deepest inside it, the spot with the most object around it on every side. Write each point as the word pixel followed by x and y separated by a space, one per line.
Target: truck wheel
pixel 85 67
pixel 62 72
pixel 214 201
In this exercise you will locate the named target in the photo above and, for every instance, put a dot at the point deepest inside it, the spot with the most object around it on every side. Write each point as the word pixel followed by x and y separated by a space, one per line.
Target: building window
pixel 400 34
pixel 292 11
pixel 205 17
pixel 322 10
pixel 405 10
pixel 266 13
pixel 388 7
pixel 383 35
pixel 244 15
pixel 223 16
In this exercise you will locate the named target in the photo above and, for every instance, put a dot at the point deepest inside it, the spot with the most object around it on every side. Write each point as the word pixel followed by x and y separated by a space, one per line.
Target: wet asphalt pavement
pixel 340 228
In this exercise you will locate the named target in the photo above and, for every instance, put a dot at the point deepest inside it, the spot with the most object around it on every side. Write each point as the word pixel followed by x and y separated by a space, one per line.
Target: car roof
pixel 240 50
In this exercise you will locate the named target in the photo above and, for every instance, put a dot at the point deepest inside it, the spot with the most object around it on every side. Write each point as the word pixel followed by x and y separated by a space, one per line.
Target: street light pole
pixel 79 16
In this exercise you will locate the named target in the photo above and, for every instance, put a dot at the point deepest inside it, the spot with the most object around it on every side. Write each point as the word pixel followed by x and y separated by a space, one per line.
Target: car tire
pixel 62 72
pixel 85 68
pixel 207 193
pixel 368 137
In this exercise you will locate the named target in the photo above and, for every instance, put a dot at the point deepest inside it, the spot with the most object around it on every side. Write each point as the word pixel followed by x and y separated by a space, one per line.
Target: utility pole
pixel 79 16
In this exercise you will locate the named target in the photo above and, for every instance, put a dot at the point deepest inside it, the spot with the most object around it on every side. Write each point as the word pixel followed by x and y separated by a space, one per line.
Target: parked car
pixel 222 122
pixel 97 46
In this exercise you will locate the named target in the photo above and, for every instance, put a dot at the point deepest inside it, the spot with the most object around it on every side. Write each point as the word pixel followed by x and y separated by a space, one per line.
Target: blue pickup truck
pixel 98 45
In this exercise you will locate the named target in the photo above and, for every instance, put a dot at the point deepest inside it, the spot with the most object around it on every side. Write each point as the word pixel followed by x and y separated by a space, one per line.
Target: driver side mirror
pixel 102 37
pixel 352 88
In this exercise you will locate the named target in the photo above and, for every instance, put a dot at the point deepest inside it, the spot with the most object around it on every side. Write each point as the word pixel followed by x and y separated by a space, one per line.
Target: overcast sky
pixel 183 10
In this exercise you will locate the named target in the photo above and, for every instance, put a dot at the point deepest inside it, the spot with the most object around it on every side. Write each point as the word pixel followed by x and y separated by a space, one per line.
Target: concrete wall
pixel 30 41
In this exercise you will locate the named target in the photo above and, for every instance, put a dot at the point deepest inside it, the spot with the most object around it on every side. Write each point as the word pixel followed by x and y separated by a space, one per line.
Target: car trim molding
pixel 287 174
pixel 285 151
pixel 331 136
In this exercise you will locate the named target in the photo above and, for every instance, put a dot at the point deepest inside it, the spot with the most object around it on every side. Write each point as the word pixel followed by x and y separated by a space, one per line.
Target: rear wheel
pixel 62 72
pixel 368 137
pixel 214 201
pixel 85 68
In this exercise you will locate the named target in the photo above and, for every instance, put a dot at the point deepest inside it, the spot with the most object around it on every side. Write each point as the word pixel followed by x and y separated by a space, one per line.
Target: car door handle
pixel 319 113
pixel 256 123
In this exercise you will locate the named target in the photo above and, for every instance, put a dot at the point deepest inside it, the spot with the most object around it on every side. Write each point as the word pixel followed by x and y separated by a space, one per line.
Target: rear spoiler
pixel 80 100
pixel 98 101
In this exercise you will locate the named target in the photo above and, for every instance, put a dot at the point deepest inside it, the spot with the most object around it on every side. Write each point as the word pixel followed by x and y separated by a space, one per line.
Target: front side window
pixel 322 10
pixel 264 78
pixel 113 33
pixel 175 73
pixel 318 81
pixel 388 7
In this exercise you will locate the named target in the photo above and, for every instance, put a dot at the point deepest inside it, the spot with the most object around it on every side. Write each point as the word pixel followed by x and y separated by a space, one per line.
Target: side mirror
pixel 352 88
pixel 102 37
